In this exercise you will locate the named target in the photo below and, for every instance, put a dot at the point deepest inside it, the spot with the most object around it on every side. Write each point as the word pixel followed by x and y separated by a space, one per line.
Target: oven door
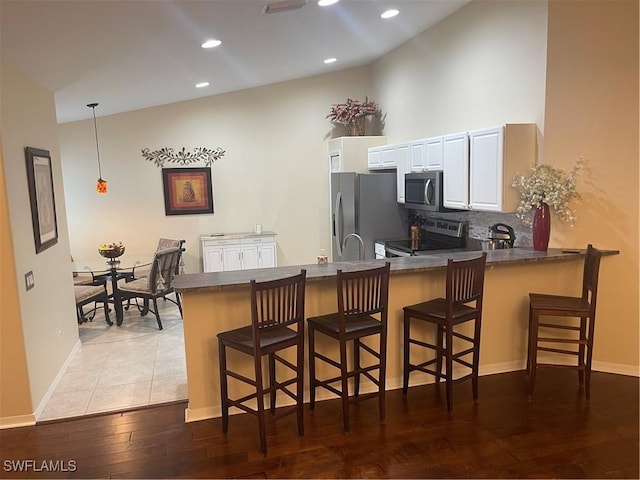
pixel 391 252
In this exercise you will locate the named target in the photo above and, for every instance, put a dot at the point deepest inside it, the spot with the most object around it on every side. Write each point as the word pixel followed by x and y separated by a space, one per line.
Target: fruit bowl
pixel 111 250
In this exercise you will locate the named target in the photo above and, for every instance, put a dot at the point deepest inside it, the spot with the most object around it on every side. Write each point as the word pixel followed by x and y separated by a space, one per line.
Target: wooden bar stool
pixel 362 311
pixel 277 323
pixel 463 303
pixel 575 333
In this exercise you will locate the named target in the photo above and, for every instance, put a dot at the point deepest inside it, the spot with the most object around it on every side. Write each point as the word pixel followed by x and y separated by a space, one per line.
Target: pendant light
pixel 101 185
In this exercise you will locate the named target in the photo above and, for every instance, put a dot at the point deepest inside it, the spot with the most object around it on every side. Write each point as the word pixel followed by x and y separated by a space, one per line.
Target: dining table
pixel 112 270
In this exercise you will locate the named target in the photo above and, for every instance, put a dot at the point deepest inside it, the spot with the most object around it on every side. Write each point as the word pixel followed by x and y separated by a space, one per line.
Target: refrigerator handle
pixel 337 234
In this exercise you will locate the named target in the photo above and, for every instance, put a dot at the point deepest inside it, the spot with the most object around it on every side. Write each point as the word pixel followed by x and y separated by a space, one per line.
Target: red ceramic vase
pixel 541 228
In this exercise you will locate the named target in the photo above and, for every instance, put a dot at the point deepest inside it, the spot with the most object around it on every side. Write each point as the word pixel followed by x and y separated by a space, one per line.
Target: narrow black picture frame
pixel 42 198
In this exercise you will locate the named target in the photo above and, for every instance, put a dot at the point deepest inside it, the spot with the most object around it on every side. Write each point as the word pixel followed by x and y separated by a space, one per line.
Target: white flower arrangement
pixel 547 184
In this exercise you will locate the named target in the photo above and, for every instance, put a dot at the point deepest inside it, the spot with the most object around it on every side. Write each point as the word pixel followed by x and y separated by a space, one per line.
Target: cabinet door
pixel 403 160
pixel 486 169
pixel 456 171
pixel 374 158
pixel 434 151
pixel 213 259
pixel 232 260
pixel 417 156
pixel 389 156
pixel 266 256
pixel 249 256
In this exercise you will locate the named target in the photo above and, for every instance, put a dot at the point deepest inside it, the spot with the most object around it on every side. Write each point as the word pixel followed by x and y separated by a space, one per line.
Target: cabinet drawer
pixel 218 243
pixel 262 239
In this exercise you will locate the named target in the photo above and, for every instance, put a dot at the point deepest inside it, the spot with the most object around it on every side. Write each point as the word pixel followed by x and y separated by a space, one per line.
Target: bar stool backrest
pixel 465 282
pixel 278 303
pixel 590 277
pixel 363 292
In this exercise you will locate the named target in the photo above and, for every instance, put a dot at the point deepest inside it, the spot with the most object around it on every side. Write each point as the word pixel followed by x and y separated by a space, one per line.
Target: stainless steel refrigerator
pixel 364 204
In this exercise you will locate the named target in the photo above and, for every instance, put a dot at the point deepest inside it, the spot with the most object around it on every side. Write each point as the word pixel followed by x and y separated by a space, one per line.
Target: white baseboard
pixel 17 421
pixel 629 370
pixel 52 388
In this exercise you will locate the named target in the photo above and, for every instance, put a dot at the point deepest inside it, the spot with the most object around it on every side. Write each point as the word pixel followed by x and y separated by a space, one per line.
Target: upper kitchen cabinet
pixel 417 161
pixel 350 154
pixel 455 167
pixel 403 160
pixel 495 155
pixel 383 157
pixel 433 153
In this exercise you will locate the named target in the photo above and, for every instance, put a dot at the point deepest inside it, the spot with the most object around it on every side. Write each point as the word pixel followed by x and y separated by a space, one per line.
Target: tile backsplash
pixel 479 223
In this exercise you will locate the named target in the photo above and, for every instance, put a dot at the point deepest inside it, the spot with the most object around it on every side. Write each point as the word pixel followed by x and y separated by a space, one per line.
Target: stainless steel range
pixel 436 234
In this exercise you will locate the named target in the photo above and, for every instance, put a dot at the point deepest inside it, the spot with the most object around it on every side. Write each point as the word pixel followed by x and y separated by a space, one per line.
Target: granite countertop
pixel 218 280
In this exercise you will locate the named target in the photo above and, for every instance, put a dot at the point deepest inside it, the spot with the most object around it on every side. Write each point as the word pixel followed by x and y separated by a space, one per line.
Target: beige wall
pixel 274 172
pixel 592 110
pixel 15 396
pixel 48 310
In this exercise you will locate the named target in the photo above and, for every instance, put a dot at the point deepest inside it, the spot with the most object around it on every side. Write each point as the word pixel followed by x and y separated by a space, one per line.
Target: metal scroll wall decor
pixel 182 157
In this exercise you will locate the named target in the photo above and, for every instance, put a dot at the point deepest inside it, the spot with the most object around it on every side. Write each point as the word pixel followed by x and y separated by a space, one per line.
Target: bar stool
pixel 463 303
pixel 362 296
pixel 583 307
pixel 277 323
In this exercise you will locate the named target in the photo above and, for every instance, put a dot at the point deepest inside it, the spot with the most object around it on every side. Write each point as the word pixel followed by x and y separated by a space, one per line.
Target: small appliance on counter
pixel 501 236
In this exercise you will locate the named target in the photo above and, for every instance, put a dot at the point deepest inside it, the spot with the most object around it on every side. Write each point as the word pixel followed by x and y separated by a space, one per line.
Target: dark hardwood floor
pixel 503 436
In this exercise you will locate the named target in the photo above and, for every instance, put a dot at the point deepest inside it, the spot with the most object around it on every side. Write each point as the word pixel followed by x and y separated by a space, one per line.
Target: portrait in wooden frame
pixel 187 191
pixel 42 197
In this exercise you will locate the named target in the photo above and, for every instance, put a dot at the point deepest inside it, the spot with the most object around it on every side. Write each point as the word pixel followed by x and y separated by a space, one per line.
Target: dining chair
pixel 277 324
pixel 464 291
pixel 91 293
pixel 363 298
pixel 560 331
pixel 158 284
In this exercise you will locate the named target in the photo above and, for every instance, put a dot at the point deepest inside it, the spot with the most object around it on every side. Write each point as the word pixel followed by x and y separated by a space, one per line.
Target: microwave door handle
pixel 337 236
pixel 427 188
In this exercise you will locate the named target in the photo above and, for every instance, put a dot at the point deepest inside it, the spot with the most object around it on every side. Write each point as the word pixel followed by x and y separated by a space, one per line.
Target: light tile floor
pixel 122 367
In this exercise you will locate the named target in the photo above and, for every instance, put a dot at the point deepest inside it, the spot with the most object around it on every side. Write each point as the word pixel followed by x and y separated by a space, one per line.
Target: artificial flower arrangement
pixel 548 184
pixel 352 114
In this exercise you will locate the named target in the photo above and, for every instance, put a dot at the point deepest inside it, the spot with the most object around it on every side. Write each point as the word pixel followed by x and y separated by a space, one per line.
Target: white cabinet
pixel 496 154
pixel 434 152
pixel 403 154
pixel 455 166
pixel 349 154
pixel 383 157
pixel 238 252
pixel 417 163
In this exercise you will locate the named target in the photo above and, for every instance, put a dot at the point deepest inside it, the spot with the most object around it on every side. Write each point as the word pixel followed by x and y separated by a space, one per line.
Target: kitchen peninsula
pixel 215 302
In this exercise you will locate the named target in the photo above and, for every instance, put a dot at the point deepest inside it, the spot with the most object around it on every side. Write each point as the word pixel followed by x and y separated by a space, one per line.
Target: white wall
pixel 483 66
pixel 274 171
pixel 48 310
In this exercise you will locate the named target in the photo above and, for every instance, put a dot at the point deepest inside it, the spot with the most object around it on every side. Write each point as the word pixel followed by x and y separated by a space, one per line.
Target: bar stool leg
pixel 530 336
pixel 581 352
pixel 533 353
pixel 449 361
pixel 407 347
pixel 587 388
pixel 345 385
pixel 356 363
pixel 272 382
pixel 224 404
pixel 300 385
pixel 383 375
pixel 476 358
pixel 439 351
pixel 312 369
pixel 260 404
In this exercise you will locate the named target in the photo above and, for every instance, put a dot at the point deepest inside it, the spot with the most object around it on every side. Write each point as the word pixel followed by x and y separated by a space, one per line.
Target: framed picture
pixel 187 191
pixel 43 203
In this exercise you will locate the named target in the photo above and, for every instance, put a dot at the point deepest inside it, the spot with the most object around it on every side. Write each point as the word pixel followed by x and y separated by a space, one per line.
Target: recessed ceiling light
pixel 326 3
pixel 211 43
pixel 389 13
pixel 331 60
pixel 202 84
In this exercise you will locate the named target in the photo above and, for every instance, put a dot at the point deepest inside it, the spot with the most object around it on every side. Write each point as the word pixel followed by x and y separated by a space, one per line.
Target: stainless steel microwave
pixel 423 191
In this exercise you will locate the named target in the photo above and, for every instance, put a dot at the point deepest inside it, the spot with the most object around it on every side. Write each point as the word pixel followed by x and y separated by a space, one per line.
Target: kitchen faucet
pixel 361 250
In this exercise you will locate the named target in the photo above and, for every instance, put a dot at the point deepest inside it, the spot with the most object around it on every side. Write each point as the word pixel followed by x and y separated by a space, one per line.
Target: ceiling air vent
pixel 283 6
